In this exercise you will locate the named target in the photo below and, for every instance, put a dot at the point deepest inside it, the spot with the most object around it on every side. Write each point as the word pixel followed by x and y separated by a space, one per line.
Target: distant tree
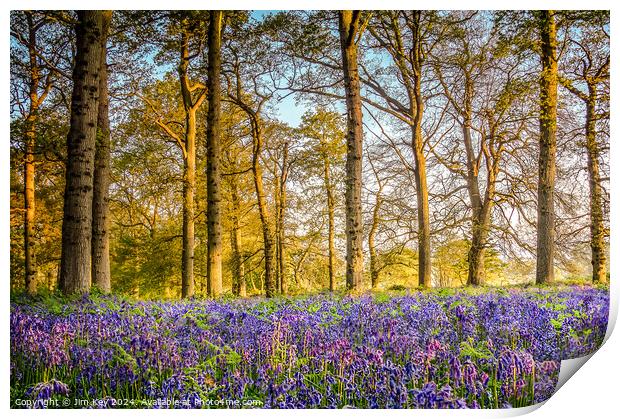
pixel 484 88
pixel 281 158
pixel 407 38
pixel 190 34
pixel 588 66
pixel 326 151
pixel 39 72
pixel 375 267
pixel 236 192
pixel 245 68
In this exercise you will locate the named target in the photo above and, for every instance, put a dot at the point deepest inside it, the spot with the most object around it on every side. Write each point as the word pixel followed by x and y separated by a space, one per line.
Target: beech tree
pixel 588 66
pixel 101 182
pixel 75 268
pixel 548 145
pixel 214 226
pixel 280 160
pixel 249 69
pixel 192 95
pixel 326 152
pixel 39 80
pixel 480 86
pixel 405 37
pixel 351 28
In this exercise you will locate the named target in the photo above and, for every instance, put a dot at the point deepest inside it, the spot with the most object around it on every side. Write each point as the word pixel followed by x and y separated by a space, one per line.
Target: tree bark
pixel 29 162
pixel 254 118
pixel 546 161
pixel 238 279
pixel 417 144
pixel 331 231
pixel 349 25
pixel 475 256
pixel 280 221
pixel 189 184
pixel 375 270
pixel 190 106
pixel 277 202
pixel 479 225
pixel 29 203
pixel 257 173
pixel 75 273
pixel 101 206
pixel 214 199
pixel 597 228
pixel 424 230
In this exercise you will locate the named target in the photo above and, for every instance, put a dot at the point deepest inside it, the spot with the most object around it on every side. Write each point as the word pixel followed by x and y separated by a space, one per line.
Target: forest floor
pixel 455 348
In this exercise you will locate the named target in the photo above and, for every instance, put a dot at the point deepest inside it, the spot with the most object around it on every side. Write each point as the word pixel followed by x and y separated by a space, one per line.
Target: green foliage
pixel 476 350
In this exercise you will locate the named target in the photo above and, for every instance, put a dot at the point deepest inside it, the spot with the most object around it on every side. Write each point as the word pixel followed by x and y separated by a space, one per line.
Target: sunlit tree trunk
pixel 479 227
pixel 190 105
pixel 238 279
pixel 546 161
pixel 189 184
pixel 374 262
pixel 424 230
pixel 75 274
pixel 276 199
pixel 189 174
pixel 417 144
pixel 349 25
pixel 331 231
pixel 29 161
pixel 101 206
pixel 263 211
pixel 597 228
pixel 252 111
pixel 281 210
pixel 214 198
pixel 475 255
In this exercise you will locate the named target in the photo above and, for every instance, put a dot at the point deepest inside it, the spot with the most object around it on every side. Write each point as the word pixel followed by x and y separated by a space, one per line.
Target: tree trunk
pixel 546 161
pixel 214 198
pixel 375 270
pixel 475 257
pixel 480 229
pixel 189 184
pixel 75 273
pixel 30 265
pixel 257 173
pixel 349 30
pixel 101 205
pixel 29 201
pixel 238 280
pixel 331 248
pixel 424 230
pixel 280 215
pixel 597 228
pixel 29 168
pixel 277 202
pixel 417 144
pixel 189 168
